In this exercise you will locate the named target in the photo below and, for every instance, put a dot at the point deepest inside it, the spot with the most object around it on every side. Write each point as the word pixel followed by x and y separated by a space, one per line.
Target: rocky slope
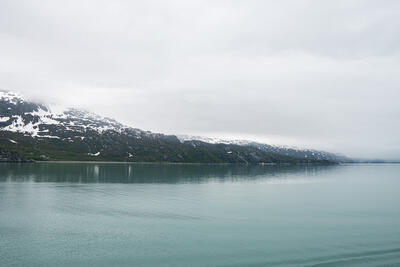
pixel 40 132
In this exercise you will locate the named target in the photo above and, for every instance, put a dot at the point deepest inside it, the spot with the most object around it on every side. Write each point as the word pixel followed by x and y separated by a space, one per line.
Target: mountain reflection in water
pixel 154 173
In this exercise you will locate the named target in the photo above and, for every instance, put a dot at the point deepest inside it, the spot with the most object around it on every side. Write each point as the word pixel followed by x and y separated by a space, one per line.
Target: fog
pixel 317 74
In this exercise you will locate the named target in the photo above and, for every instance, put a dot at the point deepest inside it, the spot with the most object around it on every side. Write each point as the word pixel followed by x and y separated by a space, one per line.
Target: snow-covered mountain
pixel 311 154
pixel 212 140
pixel 49 132
pixel 44 121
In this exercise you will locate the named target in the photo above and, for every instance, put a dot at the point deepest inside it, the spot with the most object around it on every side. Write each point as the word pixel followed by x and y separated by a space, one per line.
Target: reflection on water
pixel 99 214
pixel 153 173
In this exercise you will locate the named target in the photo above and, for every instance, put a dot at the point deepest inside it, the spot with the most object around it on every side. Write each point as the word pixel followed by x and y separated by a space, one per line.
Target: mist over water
pixel 198 215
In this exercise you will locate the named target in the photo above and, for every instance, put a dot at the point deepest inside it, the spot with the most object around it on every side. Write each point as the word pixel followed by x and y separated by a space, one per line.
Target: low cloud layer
pixel 308 73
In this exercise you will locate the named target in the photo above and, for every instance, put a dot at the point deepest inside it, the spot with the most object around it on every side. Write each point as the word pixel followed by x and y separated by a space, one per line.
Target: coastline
pixel 178 163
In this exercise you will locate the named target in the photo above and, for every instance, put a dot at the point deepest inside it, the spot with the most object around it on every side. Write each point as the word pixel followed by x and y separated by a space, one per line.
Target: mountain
pixel 310 154
pixel 35 131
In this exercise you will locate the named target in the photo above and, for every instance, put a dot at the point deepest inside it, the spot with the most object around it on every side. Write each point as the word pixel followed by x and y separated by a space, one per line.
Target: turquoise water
pixel 68 214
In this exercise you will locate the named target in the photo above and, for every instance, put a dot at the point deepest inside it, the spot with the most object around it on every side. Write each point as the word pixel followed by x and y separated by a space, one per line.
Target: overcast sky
pixel 318 74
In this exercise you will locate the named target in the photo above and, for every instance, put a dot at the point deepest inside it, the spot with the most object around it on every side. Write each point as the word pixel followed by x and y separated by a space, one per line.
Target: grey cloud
pixel 309 73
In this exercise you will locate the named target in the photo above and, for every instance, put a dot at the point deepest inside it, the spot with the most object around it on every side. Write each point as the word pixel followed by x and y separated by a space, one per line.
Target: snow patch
pixel 18 125
pixel 184 138
pixel 11 97
pixel 49 136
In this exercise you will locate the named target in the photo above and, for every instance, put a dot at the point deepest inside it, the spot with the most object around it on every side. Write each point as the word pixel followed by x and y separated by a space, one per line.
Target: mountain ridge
pixel 38 132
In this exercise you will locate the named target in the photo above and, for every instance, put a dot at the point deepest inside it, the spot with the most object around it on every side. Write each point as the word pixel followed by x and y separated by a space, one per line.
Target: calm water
pixel 60 214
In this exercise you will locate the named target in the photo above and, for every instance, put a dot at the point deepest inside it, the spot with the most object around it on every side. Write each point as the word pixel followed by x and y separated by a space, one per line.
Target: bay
pixel 110 214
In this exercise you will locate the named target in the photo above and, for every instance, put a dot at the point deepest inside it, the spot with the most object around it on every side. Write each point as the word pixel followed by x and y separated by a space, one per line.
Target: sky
pixel 315 74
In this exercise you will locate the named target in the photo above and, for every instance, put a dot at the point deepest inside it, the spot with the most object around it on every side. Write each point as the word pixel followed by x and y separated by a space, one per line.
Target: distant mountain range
pixel 35 131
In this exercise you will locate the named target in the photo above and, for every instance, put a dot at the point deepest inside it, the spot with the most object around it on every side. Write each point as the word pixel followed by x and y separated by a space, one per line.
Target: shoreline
pixel 175 163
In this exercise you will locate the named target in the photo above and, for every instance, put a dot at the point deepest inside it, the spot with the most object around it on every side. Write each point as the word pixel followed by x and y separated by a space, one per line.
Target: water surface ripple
pixel 103 214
